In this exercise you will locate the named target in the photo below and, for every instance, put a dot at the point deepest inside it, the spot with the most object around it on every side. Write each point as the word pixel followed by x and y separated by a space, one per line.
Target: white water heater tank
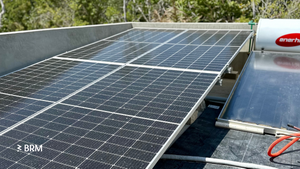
pixel 278 35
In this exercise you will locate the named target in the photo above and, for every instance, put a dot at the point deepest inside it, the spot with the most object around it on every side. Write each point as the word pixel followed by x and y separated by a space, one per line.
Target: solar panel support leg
pixel 197 113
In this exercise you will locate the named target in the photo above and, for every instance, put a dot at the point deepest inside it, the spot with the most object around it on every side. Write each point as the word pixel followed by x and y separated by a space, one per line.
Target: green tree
pixel 277 9
pixel 2 11
pixel 37 14
pixel 16 16
pixel 91 11
pixel 51 14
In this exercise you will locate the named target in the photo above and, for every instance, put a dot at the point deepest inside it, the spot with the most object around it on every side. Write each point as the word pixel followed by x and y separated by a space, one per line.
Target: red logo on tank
pixel 288 40
pixel 286 62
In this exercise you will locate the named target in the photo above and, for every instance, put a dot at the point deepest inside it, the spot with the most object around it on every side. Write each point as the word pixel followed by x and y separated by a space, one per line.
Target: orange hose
pixel 285 147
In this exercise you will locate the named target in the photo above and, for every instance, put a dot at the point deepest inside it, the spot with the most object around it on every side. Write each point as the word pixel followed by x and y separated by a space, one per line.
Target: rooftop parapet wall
pixel 20 49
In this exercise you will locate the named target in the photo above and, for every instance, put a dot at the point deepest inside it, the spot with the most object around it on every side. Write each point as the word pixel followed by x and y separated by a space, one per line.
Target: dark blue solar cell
pixel 54 82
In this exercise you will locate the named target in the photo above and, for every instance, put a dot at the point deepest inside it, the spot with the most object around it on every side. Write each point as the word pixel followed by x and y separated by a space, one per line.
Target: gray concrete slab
pixel 205 140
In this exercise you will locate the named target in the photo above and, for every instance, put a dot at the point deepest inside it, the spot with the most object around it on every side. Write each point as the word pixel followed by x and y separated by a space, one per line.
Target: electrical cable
pixel 286 136
pixel 292 126
pixel 215 161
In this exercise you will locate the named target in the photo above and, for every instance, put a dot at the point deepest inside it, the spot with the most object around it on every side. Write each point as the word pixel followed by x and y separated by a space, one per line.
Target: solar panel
pixel 208 50
pixel 133 34
pixel 77 137
pixel 121 52
pixel 212 37
pixel 189 37
pixel 100 108
pixel 148 35
pixel 145 132
pixel 14 109
pixel 148 105
pixel 52 79
pixel 212 58
pixel 272 98
pixel 150 93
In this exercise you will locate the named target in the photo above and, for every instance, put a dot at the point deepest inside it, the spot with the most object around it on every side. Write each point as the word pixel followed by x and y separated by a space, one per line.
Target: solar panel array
pixel 116 103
